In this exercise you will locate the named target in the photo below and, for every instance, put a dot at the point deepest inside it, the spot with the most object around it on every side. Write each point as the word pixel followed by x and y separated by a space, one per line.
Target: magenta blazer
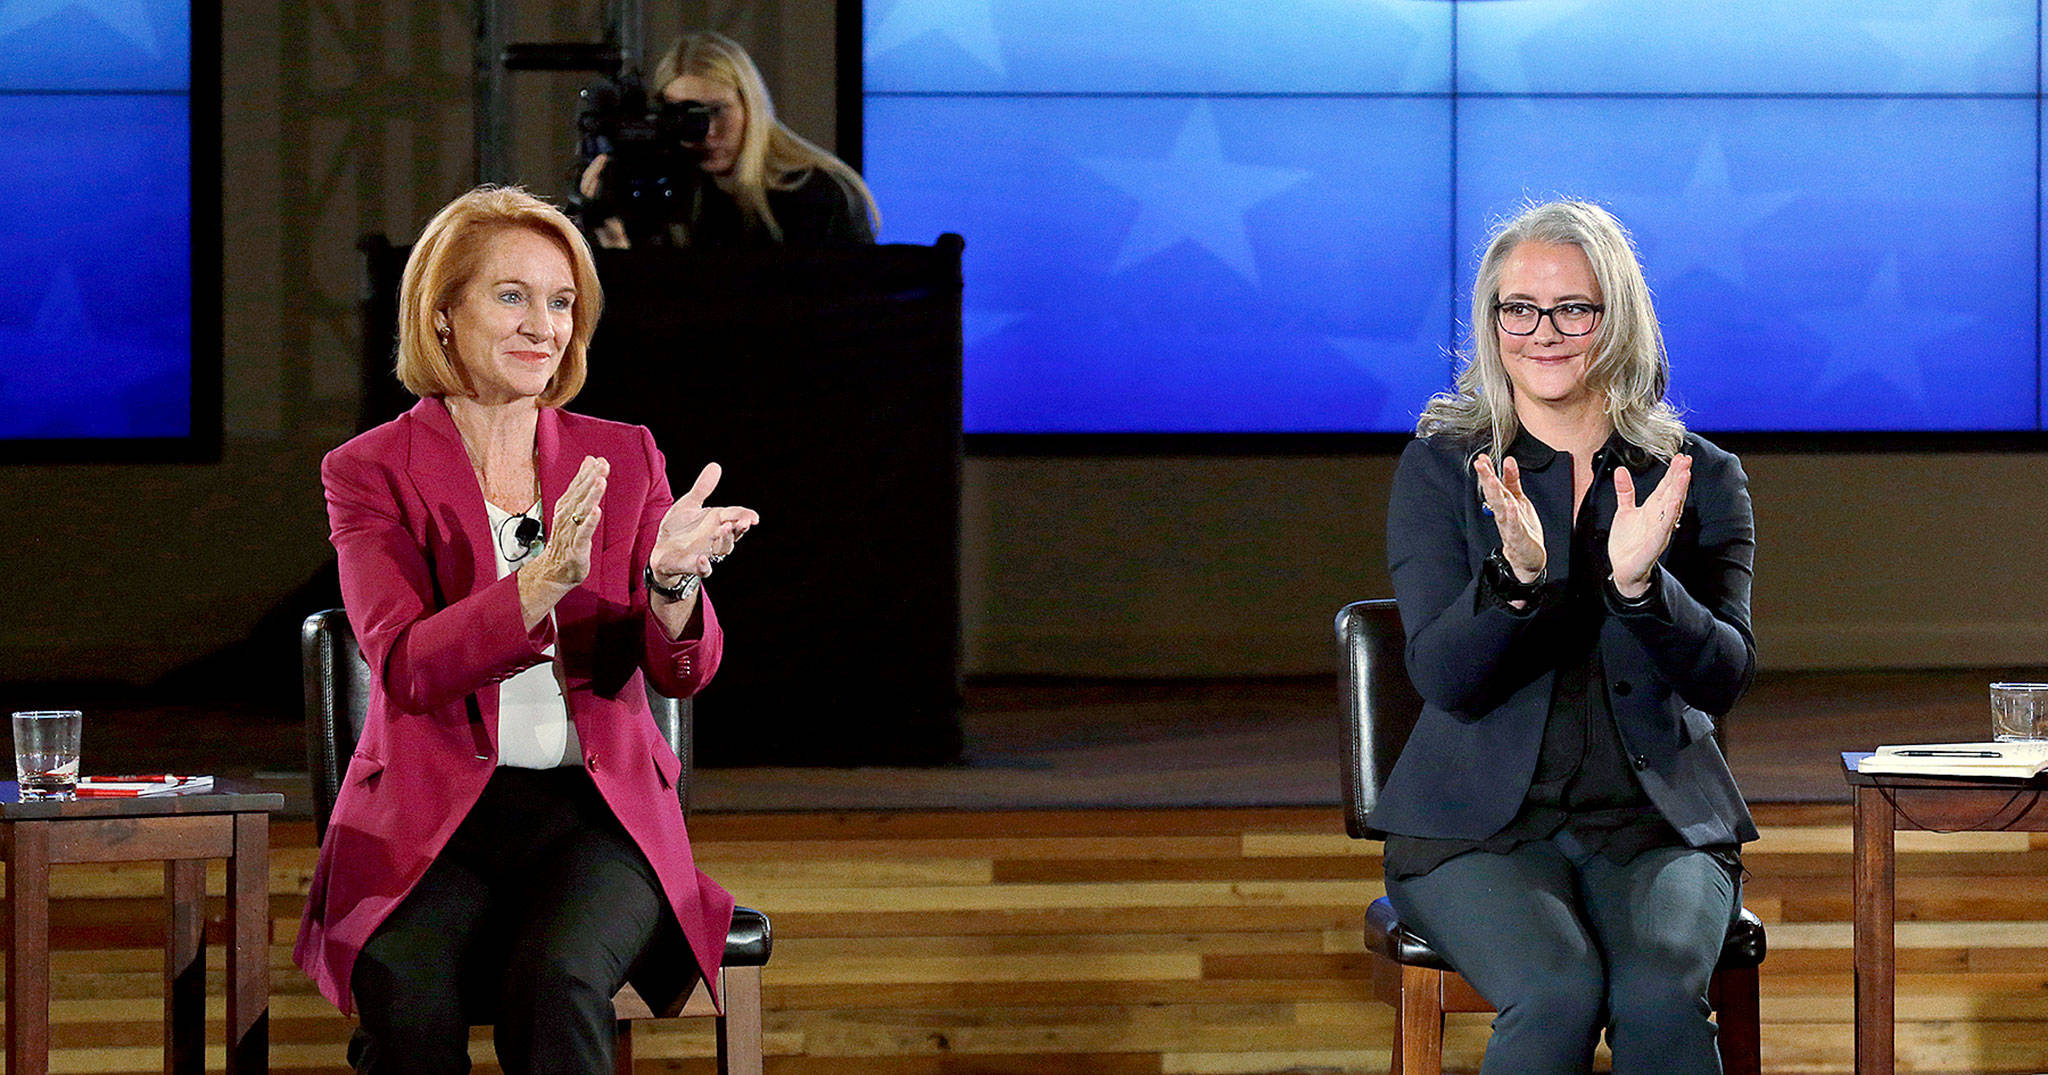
pixel 440 630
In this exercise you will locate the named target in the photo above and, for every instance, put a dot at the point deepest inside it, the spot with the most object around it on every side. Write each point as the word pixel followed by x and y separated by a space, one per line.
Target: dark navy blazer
pixel 1484 671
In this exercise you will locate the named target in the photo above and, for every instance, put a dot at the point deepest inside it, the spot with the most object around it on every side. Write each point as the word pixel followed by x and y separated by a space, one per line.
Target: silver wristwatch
pixel 681 591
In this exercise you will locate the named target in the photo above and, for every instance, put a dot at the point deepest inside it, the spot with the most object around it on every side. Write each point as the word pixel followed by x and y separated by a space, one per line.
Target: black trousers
pixel 530 919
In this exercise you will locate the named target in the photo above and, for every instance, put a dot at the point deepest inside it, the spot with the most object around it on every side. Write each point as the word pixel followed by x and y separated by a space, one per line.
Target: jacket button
pixel 590 762
pixel 1623 687
pixel 1642 763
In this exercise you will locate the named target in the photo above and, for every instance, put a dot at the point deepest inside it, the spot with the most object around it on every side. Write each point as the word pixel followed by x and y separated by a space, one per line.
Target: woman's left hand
pixel 693 537
pixel 1643 531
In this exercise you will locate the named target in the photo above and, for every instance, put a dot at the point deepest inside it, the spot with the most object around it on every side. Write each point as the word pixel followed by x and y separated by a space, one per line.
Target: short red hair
pixel 449 254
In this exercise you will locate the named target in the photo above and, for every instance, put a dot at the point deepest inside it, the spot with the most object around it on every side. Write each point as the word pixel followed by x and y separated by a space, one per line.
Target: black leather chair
pixel 1380 709
pixel 337 682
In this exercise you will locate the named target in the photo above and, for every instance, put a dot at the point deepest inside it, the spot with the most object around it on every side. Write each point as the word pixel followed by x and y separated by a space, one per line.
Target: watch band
pixel 1506 587
pixel 681 591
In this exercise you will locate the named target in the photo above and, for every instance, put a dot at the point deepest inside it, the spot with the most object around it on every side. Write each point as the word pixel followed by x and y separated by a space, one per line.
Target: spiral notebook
pixel 1959 759
pixel 129 787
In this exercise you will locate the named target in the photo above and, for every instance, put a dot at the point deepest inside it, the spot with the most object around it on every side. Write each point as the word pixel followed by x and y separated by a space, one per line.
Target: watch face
pixel 678 592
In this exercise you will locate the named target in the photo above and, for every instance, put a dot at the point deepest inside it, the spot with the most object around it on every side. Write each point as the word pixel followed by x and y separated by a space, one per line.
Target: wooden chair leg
pixel 1737 1014
pixel 739 1029
pixel 1419 1023
pixel 622 1047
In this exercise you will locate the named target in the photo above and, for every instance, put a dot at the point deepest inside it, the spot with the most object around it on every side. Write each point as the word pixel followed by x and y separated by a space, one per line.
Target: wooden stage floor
pixel 1138 878
pixel 1195 941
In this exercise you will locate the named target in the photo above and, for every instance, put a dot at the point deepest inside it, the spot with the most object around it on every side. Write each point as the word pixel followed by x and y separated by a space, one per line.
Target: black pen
pixel 1949 754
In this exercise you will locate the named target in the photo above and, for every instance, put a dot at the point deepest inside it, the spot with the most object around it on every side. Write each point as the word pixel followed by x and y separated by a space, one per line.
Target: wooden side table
pixel 1884 805
pixel 230 822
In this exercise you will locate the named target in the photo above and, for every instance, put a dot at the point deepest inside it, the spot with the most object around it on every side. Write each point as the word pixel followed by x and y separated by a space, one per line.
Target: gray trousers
pixel 1566 944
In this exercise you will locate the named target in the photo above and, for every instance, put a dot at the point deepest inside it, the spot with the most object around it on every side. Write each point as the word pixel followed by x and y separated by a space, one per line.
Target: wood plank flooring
pixel 1135 942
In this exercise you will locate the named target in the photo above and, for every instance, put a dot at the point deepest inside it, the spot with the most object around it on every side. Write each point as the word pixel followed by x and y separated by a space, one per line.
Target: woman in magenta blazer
pixel 508 833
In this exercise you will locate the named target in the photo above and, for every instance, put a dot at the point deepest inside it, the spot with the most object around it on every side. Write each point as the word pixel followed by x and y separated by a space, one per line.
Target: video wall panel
pixel 1264 220
pixel 96 167
pixel 1818 263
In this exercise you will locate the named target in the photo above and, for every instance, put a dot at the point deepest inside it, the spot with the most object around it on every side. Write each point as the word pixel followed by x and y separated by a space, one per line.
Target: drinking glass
pixel 2019 711
pixel 46 753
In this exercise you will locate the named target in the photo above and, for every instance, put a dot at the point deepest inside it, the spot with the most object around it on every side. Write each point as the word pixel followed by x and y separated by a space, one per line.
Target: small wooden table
pixel 230 822
pixel 1884 805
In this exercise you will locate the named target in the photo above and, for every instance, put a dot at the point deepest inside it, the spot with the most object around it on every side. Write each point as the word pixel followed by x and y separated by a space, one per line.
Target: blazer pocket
pixel 1698 725
pixel 363 769
pixel 667 764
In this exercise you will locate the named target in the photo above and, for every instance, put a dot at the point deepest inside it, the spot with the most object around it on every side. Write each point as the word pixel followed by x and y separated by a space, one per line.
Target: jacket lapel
pixel 552 461
pixel 440 470
pixel 558 463
pixel 1547 478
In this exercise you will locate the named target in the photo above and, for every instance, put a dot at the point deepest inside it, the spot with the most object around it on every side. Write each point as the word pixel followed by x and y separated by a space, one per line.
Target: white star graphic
pixel 62 313
pixel 1881 337
pixel 1429 19
pixel 969 24
pixel 1195 195
pixel 1700 226
pixel 978 323
pixel 1392 361
pixel 1500 49
pixel 129 18
pixel 1940 45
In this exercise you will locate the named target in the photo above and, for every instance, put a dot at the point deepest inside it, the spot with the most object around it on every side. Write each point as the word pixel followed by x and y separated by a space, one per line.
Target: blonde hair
pixel 447 257
pixel 1628 368
pixel 771 156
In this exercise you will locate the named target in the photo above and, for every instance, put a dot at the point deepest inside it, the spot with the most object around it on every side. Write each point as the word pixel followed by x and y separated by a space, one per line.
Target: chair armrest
pixel 751 940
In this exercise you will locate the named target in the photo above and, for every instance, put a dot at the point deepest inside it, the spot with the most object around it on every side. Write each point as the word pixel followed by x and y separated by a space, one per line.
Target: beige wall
pixel 352 116
pixel 1204 566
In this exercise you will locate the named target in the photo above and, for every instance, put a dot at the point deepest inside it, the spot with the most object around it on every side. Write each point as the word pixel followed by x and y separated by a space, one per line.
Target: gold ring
pixel 578 520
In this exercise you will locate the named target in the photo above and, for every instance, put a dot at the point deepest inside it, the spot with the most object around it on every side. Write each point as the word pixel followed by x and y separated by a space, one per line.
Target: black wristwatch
pixel 1500 578
pixel 681 591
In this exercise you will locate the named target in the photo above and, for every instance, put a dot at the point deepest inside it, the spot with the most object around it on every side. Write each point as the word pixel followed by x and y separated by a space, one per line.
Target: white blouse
pixel 534 731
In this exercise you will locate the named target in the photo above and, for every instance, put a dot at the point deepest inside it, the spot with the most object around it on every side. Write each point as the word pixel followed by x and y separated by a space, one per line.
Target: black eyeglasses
pixel 1569 318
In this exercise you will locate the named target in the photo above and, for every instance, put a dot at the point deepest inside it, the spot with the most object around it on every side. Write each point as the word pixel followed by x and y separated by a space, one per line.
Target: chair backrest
pixel 337 682
pixel 1380 704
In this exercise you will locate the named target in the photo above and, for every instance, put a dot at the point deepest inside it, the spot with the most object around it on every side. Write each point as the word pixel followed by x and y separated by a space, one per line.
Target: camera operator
pixel 725 171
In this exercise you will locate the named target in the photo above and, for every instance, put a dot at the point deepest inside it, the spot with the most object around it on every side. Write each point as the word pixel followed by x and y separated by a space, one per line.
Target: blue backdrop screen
pixel 1193 217
pixel 95 180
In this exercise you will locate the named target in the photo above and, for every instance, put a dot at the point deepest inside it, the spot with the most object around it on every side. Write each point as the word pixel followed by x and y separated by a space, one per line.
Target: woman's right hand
pixel 565 563
pixel 1521 532
pixel 612 233
pixel 566 560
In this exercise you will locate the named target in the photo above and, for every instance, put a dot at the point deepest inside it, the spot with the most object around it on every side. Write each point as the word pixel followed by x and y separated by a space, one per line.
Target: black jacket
pixel 1484 671
pixel 820 211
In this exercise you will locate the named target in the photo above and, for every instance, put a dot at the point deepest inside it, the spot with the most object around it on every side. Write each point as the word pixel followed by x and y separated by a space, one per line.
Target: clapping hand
pixel 1643 531
pixel 693 537
pixel 1521 532
pixel 577 515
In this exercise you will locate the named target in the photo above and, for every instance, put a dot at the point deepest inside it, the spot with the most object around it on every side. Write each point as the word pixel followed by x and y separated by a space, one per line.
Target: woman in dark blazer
pixel 1573 571
pixel 508 831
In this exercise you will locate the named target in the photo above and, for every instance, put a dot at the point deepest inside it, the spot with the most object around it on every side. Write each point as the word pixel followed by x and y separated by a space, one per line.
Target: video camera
pixel 654 165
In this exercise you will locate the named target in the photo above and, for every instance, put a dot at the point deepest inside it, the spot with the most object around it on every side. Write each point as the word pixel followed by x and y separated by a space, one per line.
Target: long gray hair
pixel 1628 366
